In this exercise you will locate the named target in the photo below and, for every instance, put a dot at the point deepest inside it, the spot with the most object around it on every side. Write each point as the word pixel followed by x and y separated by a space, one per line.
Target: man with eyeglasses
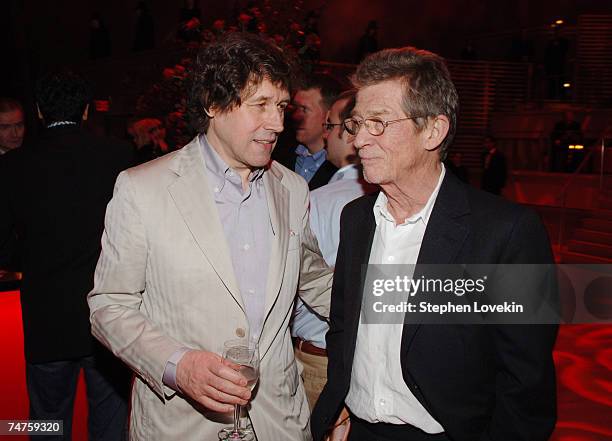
pixel 326 204
pixel 425 382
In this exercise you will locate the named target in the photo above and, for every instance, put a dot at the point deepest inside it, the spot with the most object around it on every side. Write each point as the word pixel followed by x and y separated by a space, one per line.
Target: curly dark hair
pixel 62 96
pixel 227 72
pixel 428 88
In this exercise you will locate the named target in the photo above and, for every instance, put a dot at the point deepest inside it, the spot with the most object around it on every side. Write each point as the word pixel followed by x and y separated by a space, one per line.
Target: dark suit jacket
pixel 320 178
pixel 56 193
pixel 481 382
pixel 322 175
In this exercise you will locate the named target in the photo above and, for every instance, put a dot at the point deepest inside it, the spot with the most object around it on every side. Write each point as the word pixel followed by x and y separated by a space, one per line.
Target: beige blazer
pixel 165 280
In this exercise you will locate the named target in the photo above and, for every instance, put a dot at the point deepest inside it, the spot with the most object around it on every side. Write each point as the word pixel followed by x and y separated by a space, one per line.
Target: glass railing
pixel 569 217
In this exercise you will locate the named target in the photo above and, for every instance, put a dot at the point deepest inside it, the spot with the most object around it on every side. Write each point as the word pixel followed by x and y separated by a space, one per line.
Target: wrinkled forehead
pixel 379 99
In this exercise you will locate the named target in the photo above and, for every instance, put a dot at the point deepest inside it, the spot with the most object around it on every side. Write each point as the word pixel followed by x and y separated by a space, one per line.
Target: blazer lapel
pixel 444 237
pixel 278 206
pixel 364 228
pixel 193 198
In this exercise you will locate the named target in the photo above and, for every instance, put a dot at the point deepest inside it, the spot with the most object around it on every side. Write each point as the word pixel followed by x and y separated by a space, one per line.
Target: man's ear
pixel 436 132
pixel 85 113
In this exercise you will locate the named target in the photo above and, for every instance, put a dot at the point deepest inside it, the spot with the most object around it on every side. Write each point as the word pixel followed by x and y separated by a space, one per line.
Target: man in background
pixel 494 167
pixel 149 137
pixel 56 195
pixel 326 204
pixel 12 125
pixel 566 133
pixel 311 103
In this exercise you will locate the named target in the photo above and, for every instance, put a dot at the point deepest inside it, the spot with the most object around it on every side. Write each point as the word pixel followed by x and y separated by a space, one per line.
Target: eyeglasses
pixel 330 126
pixel 374 126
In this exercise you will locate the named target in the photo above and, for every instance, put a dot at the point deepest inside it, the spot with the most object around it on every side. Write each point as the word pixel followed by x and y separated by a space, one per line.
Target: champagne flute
pixel 245 354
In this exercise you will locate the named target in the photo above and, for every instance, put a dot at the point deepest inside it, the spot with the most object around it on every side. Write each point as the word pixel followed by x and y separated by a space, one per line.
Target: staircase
pixel 591 242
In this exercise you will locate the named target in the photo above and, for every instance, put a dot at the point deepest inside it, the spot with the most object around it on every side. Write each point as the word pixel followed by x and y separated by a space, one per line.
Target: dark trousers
pixel 364 431
pixel 52 389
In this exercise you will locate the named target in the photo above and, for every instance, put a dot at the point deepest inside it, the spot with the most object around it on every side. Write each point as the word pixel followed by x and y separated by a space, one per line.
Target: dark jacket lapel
pixel 445 235
pixel 363 228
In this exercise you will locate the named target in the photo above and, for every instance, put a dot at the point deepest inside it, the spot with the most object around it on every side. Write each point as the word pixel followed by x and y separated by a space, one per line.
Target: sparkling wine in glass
pixel 251 374
pixel 245 354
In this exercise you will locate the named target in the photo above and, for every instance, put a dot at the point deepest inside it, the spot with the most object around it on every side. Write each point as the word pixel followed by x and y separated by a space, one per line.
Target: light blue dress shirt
pixel 326 204
pixel 306 165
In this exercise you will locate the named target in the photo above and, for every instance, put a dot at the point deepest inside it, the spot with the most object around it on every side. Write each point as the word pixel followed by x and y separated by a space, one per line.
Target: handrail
pixel 563 196
pixel 563 192
pixel 601 168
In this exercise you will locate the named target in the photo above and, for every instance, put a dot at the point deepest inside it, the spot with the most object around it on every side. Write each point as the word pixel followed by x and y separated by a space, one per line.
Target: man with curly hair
pixel 207 244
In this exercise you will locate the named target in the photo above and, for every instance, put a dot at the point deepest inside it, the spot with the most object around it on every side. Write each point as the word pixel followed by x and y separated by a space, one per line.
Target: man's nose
pixel 360 139
pixel 275 122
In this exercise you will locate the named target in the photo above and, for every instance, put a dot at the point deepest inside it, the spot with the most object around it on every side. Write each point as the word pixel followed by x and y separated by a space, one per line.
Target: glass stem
pixel 236 418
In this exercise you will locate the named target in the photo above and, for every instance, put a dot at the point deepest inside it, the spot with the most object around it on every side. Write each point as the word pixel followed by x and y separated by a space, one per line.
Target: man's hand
pixel 211 381
pixel 340 430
